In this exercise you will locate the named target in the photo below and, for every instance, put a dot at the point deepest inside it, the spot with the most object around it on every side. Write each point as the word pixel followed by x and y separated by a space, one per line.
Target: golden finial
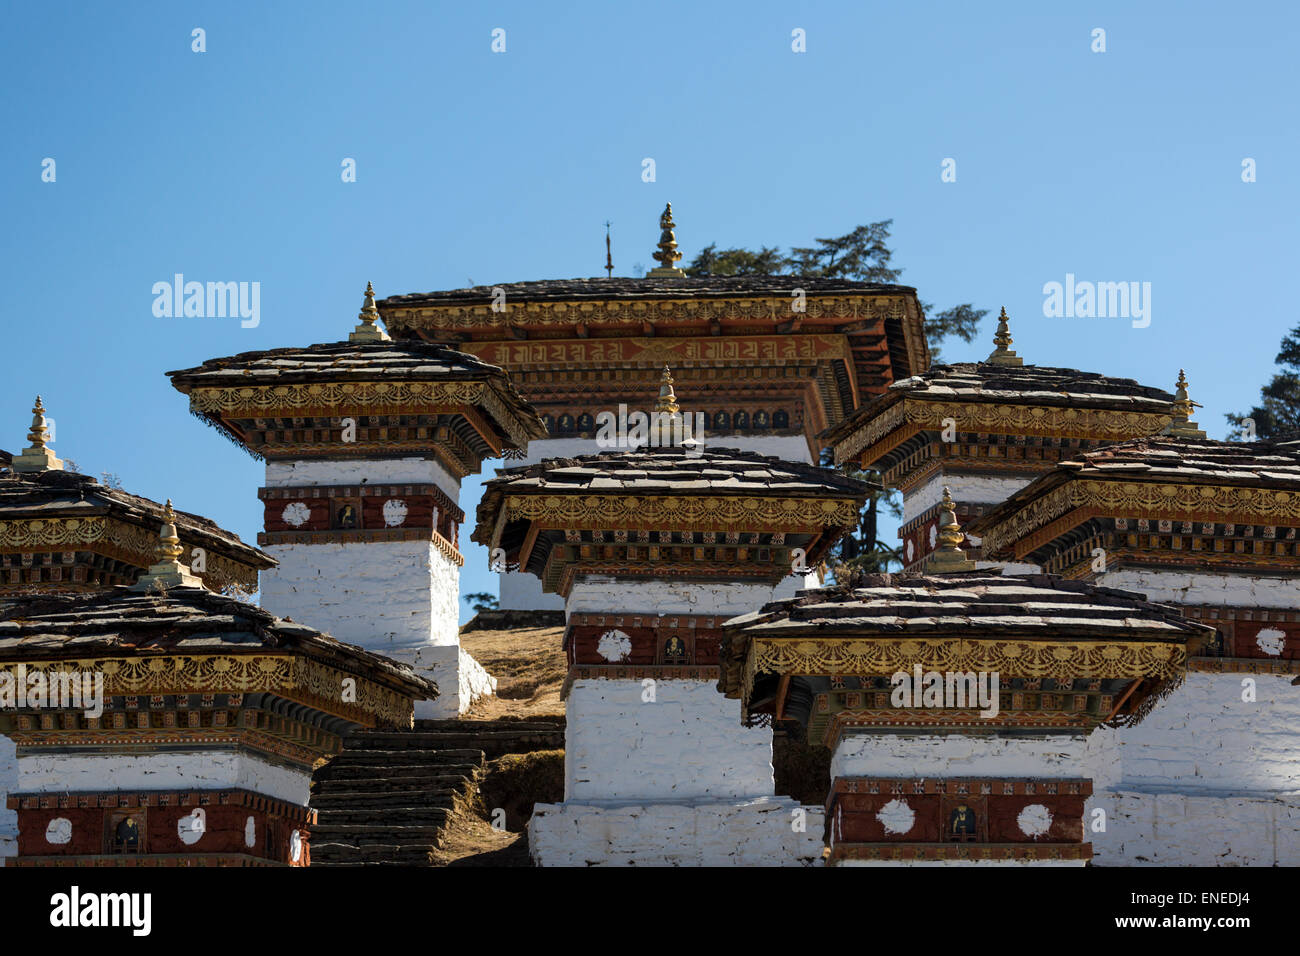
pixel 1181 424
pixel 37 457
pixel 1002 355
pixel 667 256
pixel 367 330
pixel 167 571
pixel 667 397
pixel 666 422
pixel 949 556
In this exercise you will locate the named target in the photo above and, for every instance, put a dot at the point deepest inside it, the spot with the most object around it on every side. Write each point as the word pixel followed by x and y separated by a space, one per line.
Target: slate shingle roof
pixel 66 494
pixel 186 620
pixel 330 362
pixel 664 471
pixel 974 605
pixel 1020 385
pixel 596 289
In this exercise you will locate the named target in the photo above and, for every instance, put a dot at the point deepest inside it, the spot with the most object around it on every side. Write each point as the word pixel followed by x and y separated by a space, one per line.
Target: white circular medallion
pixel 1271 641
pixel 911 549
pixel 934 534
pixel 896 817
pixel 250 832
pixel 295 846
pixel 191 828
pixel 1034 820
pixel 296 514
pixel 394 512
pixel 614 646
pixel 59 831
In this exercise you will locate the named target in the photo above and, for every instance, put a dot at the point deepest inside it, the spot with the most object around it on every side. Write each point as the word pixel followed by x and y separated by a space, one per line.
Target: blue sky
pixel 494 167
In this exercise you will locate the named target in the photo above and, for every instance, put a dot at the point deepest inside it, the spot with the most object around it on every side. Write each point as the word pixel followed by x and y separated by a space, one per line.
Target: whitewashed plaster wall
pixel 604 594
pixel 299 474
pixel 8 785
pixel 1178 587
pixel 172 770
pixel 975 489
pixel 686 743
pixel 956 755
pixel 383 595
pixel 1207 779
pixel 775 831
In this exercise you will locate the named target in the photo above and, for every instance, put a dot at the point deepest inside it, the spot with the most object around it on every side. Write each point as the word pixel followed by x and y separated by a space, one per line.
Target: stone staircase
pixel 387 798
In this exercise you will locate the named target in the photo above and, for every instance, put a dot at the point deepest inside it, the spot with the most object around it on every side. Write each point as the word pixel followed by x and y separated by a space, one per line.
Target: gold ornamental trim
pixel 320 685
pixel 1002 419
pixel 621 512
pixel 848 657
pixel 1146 499
pixel 136 543
pixel 365 397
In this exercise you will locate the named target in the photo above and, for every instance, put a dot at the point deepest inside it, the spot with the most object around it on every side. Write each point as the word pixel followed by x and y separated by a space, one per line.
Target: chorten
pixel 366 443
pixel 985 430
pixel 165 725
pixel 652 550
pixel 962 708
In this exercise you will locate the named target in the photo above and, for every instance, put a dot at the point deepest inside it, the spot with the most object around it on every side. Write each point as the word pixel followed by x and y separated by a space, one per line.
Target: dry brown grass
pixel 529 666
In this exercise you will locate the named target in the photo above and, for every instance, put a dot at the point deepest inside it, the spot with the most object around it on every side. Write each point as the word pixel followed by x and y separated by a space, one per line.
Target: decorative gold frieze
pixel 1137 499
pixel 1061 660
pixel 1001 419
pixel 133 544
pixel 668 511
pixel 288 675
pixel 364 398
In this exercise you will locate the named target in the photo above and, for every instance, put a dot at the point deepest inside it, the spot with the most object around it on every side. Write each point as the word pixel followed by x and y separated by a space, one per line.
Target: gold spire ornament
pixel 1003 355
pixel 1181 425
pixel 667 256
pixel 667 417
pixel 949 557
pixel 38 456
pixel 367 330
pixel 167 571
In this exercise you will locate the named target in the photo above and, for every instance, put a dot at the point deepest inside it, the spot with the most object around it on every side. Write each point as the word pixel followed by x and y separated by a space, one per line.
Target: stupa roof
pixel 1060 393
pixel 674 495
pixel 650 287
pixel 176 628
pixel 366 378
pixel 1161 477
pixel 1023 626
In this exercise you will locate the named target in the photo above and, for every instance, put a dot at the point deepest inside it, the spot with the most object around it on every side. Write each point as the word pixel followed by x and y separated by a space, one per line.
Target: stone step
pixel 526 725
pixel 379 854
pixel 374 783
pixel 462 737
pixel 400 816
pixel 342 769
pixel 371 801
pixel 407 755
pixel 371 835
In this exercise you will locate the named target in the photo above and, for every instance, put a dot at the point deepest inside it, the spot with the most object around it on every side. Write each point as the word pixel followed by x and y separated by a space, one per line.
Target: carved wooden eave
pixel 401 397
pixel 1158 502
pixel 722 515
pixel 1110 647
pixel 849 341
pixel 52 522
pixel 1014 419
pixel 187 640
